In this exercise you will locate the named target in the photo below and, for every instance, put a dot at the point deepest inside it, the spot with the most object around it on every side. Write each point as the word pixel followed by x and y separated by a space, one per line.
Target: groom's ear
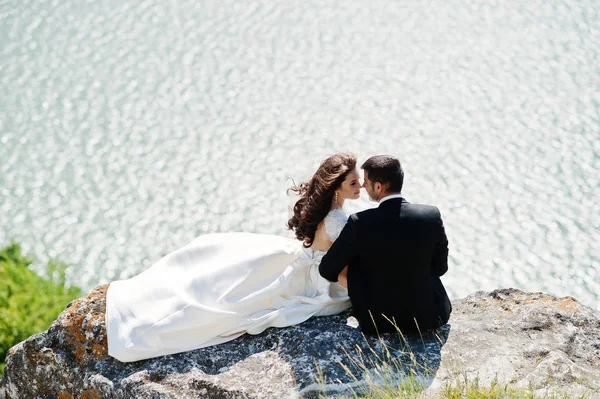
pixel 381 188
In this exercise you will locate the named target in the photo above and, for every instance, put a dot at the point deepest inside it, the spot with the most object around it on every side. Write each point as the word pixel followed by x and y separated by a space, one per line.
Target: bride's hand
pixel 343 277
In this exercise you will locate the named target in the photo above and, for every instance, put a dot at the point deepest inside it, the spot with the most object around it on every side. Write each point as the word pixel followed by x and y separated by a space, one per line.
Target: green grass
pixel 461 388
pixel 28 303
pixel 389 374
pixel 471 389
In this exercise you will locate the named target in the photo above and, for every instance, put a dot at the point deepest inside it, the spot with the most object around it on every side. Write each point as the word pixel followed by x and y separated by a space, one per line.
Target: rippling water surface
pixel 128 128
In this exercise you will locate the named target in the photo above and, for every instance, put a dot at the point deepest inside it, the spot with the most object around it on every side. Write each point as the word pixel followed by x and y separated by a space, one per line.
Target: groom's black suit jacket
pixel 395 254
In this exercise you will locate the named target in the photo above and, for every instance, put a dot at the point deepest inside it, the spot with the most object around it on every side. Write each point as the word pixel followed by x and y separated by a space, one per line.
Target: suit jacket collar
pixel 389 197
pixel 393 202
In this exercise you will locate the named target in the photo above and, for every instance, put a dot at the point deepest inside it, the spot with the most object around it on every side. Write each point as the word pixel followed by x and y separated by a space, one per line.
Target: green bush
pixel 28 303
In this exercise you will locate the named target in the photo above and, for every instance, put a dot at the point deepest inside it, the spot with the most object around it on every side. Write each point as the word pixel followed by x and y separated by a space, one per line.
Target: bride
pixel 221 286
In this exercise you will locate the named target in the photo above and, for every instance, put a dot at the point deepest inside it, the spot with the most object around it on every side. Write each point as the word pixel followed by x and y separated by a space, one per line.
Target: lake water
pixel 129 128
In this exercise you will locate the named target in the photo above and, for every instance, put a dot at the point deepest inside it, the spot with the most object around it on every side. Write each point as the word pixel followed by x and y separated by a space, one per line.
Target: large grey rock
pixel 530 340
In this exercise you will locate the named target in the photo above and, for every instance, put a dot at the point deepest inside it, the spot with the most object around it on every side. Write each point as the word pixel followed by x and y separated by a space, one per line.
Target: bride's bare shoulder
pixel 321 241
pixel 329 228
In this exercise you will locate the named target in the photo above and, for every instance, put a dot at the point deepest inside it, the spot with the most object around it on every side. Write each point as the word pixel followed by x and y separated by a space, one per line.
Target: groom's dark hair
pixel 386 170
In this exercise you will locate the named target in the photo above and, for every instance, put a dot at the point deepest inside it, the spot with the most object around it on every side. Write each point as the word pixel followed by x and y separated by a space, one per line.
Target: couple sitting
pixel 384 262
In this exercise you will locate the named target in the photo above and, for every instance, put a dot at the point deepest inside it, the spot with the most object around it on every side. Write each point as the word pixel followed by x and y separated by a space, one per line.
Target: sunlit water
pixel 129 128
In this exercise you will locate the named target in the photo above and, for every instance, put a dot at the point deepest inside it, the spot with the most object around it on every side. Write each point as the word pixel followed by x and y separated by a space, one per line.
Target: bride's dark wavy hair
pixel 316 195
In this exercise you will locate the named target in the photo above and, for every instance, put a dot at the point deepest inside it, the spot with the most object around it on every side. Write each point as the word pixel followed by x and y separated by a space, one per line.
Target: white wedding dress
pixel 217 288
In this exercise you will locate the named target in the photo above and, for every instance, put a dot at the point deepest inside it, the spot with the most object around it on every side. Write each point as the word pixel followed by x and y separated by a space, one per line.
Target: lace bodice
pixel 335 221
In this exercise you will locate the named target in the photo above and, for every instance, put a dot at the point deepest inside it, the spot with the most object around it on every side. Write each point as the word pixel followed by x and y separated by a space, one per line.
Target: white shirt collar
pixel 388 197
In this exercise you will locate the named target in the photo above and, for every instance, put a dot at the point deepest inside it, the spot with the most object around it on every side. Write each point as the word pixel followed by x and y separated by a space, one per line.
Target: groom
pixel 394 256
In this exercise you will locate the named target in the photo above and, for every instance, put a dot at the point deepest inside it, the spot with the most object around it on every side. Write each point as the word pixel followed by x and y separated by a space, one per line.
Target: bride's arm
pixel 343 277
